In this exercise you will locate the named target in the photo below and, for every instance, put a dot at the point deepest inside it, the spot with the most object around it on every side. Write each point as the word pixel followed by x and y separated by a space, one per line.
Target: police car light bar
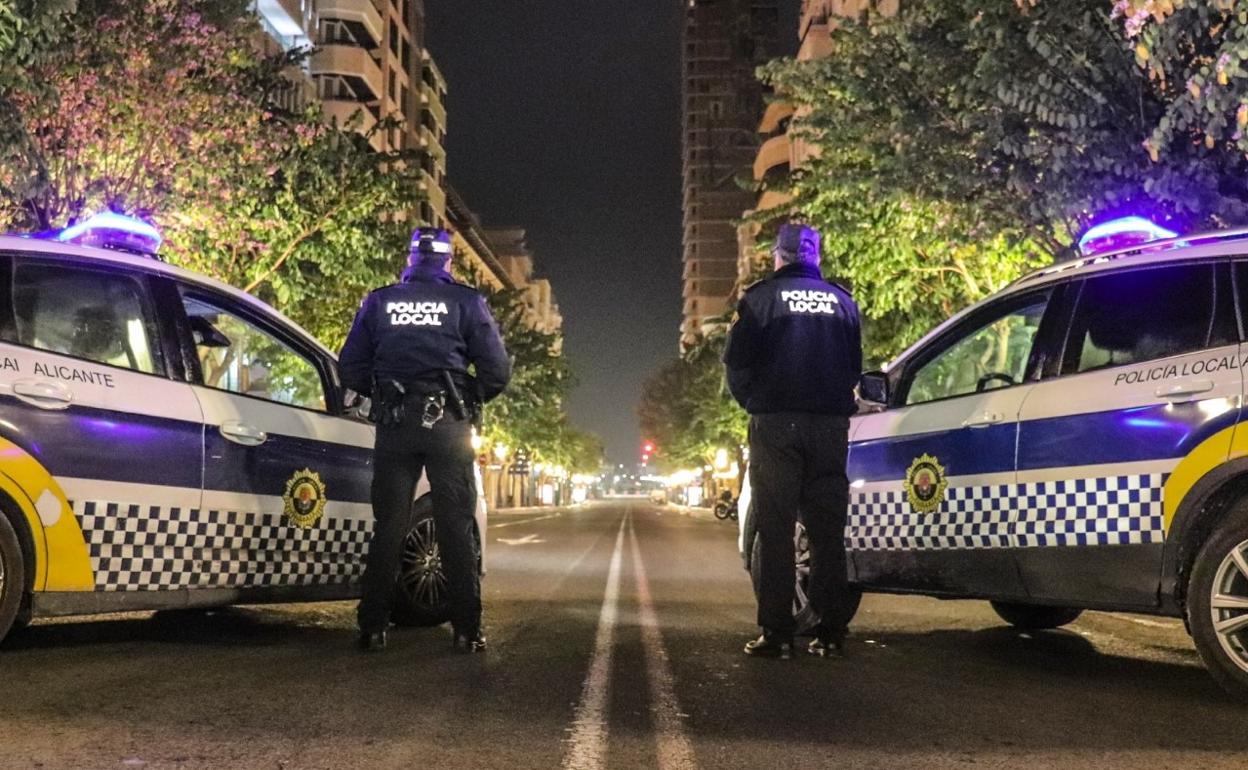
pixel 1122 233
pixel 110 230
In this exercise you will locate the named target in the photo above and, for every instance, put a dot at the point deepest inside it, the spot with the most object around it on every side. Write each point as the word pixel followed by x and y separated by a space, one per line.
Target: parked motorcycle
pixel 726 506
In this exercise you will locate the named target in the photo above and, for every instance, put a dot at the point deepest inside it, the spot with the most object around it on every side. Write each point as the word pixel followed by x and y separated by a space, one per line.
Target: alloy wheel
pixel 1229 605
pixel 422 577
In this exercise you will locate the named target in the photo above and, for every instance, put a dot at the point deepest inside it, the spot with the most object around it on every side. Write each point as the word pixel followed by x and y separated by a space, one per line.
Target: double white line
pixel 590 727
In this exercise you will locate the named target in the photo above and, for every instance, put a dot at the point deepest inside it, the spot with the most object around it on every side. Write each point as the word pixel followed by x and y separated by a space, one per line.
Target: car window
pixel 992 355
pixel 238 356
pixel 1139 315
pixel 95 315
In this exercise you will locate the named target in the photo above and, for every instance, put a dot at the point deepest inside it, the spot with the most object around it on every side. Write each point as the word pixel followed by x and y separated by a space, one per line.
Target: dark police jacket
pixel 796 345
pixel 414 330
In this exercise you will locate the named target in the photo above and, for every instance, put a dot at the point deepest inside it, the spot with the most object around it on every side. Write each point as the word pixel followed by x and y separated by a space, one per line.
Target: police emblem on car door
pixel 926 509
pixel 286 482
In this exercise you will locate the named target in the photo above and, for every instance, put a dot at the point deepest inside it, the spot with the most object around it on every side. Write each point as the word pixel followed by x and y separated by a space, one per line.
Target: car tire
pixel 802 611
pixel 12 579
pixel 422 596
pixel 1035 617
pixel 1217 602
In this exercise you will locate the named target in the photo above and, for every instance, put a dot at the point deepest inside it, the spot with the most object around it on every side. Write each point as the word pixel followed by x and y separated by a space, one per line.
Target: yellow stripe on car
pixel 62 562
pixel 1208 455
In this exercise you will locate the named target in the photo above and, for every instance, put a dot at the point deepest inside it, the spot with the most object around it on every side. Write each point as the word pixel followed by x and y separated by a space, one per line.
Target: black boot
pixel 470 641
pixel 770 645
pixel 374 641
pixel 827 644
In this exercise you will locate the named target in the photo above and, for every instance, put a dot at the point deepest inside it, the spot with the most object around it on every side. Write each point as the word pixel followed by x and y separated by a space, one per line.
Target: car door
pixel 1150 374
pixel 87 389
pixel 286 474
pixel 927 511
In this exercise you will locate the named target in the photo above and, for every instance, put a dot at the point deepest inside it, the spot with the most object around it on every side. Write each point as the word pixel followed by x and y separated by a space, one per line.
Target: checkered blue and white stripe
pixel 1113 510
pixel 148 548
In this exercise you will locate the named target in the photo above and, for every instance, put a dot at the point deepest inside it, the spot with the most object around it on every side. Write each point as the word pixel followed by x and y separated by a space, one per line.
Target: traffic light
pixel 647 448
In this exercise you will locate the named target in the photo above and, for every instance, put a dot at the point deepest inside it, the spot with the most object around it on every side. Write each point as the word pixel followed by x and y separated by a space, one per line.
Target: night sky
pixel 565 120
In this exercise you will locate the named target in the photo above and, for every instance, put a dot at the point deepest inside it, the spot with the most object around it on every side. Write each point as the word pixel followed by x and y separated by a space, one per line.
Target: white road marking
pixel 526 521
pixel 674 749
pixel 526 540
pixel 588 743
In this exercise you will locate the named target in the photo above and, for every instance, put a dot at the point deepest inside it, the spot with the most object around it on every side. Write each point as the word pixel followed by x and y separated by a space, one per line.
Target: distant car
pixel 168 442
pixel 1075 442
pixel 658 496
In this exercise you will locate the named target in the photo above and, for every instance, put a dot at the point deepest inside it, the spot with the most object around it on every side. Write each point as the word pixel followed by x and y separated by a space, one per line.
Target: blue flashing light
pixel 110 230
pixel 1122 233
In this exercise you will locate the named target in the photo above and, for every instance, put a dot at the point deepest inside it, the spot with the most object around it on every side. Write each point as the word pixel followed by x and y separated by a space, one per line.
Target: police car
pixel 168 442
pixel 1077 441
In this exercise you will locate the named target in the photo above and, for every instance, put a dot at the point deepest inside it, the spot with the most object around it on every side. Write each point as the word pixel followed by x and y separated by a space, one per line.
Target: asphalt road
pixel 615 634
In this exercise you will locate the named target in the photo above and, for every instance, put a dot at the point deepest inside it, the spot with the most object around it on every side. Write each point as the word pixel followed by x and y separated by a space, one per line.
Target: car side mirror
pixel 873 389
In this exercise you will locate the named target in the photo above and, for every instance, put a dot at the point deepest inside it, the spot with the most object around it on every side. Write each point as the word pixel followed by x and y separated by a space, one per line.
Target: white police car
pixel 1075 442
pixel 167 441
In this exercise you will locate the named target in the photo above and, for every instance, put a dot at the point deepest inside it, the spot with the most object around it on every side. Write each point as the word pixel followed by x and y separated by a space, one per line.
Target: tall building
pixel 780 151
pixel 476 259
pixel 724 41
pixel 370 63
pixel 539 298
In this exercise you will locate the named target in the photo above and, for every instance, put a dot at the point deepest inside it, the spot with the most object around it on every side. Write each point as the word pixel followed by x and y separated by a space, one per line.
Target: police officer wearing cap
pixel 411 348
pixel 793 358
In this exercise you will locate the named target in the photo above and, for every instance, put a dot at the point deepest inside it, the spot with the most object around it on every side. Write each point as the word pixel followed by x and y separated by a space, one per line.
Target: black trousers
pixel 797 463
pixel 445 453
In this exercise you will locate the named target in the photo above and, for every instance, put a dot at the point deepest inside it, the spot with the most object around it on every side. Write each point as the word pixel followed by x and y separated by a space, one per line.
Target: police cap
pixel 798 243
pixel 431 241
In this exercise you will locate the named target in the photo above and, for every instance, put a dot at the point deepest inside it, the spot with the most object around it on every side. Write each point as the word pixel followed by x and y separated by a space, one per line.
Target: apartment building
pixel 514 254
pixel 781 151
pixel 476 259
pixel 723 42
pixel 370 63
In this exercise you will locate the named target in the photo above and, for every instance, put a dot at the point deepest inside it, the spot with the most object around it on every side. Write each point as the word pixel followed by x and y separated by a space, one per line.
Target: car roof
pixel 1187 248
pixel 20 245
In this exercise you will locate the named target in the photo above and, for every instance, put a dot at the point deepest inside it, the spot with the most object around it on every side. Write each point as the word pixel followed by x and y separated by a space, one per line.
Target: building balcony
pixel 434 194
pixel 775 116
pixel 428 141
pixel 342 112
pixel 361 12
pixel 773 153
pixel 354 64
pixel 431 101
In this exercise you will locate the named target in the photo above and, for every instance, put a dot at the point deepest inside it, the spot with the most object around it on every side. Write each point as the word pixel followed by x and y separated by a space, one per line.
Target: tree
pixel 163 108
pixel 962 143
pixel 530 412
pixel 686 409
pixel 324 224
pixel 1195 56
pixel 141 105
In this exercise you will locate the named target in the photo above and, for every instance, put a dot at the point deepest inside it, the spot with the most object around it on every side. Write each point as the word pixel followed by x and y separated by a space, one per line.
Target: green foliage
pixel 1195 56
pixel 311 234
pixel 962 143
pixel 687 411
pixel 162 108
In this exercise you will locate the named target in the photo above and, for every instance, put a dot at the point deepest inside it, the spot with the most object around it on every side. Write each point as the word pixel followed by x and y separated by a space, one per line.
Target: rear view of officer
pixel 410 349
pixel 793 358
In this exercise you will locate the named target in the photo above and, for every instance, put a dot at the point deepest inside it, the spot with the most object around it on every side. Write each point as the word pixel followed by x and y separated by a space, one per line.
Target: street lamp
pixel 477 441
pixel 500 452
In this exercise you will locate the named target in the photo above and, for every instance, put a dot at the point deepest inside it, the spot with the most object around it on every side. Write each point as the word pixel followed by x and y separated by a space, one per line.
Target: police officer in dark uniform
pixel 410 349
pixel 793 358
